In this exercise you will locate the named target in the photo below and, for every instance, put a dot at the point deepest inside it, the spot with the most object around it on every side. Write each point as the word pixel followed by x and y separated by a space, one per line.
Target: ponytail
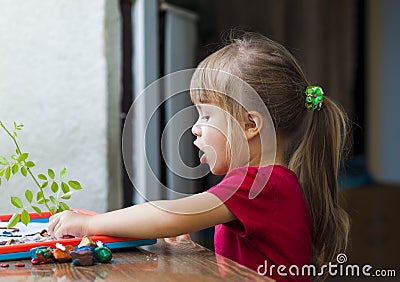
pixel 316 163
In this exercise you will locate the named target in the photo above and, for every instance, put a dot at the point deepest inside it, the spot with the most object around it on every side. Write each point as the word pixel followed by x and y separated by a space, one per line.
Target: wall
pixel 59 77
pixel 390 87
pixel 383 90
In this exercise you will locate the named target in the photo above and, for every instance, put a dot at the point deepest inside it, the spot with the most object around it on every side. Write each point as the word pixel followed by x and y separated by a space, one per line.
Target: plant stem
pixel 41 189
pixel 12 137
pixel 27 168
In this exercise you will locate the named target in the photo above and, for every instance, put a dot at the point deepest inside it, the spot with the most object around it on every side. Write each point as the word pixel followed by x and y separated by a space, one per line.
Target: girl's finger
pixel 53 220
pixel 58 230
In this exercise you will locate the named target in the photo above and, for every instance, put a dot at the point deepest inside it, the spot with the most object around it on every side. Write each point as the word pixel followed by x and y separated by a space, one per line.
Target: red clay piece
pixel 35 261
pixel 19 264
pixel 4 265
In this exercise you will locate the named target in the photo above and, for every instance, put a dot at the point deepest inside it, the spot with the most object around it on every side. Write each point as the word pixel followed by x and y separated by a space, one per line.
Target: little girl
pixel 278 202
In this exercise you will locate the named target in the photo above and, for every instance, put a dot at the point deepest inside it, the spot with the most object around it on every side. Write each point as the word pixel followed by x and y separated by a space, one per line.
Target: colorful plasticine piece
pixel 87 253
pixel 62 253
pixel 36 261
pixel 83 256
pixel 34 250
pixel 86 241
pixel 102 253
pixel 41 255
pixel 44 253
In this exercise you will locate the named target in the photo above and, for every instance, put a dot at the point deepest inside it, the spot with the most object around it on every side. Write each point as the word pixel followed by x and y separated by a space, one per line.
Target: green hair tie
pixel 314 98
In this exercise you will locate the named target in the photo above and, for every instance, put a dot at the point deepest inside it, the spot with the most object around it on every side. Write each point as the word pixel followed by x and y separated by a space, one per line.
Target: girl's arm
pixel 158 219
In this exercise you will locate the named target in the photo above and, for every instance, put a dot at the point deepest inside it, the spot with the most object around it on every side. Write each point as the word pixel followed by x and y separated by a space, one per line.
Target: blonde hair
pixel 313 140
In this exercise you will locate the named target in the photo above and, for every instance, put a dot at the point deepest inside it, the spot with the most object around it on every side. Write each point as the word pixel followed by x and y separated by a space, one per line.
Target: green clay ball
pixel 103 254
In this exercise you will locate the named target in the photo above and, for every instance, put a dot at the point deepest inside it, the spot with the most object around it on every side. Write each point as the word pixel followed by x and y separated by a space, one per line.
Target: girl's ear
pixel 253 124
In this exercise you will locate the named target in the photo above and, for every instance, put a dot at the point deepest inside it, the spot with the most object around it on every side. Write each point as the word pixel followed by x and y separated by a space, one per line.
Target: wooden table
pixel 183 261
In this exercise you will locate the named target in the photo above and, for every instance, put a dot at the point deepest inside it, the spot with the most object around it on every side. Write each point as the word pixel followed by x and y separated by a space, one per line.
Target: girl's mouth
pixel 202 156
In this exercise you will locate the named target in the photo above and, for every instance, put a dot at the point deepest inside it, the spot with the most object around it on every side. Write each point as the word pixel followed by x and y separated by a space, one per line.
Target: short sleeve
pixel 252 214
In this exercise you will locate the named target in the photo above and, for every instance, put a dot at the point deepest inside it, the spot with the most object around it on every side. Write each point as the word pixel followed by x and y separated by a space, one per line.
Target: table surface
pixel 183 261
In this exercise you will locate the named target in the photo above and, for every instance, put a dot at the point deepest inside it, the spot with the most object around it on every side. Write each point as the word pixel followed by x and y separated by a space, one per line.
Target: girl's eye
pixel 206 118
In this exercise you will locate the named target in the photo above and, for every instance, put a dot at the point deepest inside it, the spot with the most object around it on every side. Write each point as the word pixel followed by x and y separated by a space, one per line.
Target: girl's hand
pixel 68 223
pixel 185 238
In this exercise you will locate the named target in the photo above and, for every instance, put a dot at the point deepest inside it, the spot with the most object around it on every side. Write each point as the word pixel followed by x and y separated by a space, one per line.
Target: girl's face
pixel 211 132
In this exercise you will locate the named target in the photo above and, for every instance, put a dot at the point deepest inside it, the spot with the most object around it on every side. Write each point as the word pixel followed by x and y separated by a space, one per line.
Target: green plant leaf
pixel 3 161
pixel 14 157
pixel 13 220
pixel 37 210
pixel 65 187
pixel 39 196
pixel 17 202
pixel 42 201
pixel 30 164
pixel 24 172
pixel 2 170
pixel 14 169
pixel 54 187
pixel 22 157
pixel 44 184
pixel 52 209
pixel 42 176
pixel 63 173
pixel 75 185
pixel 8 173
pixel 29 195
pixel 25 218
pixel 51 173
pixel 63 207
pixel 53 200
pixel 67 196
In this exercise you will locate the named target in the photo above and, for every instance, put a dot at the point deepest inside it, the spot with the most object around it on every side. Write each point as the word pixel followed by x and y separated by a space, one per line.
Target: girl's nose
pixel 196 130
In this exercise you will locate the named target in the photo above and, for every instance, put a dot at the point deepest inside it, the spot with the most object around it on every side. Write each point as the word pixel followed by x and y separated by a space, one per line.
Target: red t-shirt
pixel 273 226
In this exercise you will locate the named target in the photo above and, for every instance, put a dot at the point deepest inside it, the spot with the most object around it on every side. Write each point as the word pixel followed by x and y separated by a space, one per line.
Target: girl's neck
pixel 278 160
pixel 266 157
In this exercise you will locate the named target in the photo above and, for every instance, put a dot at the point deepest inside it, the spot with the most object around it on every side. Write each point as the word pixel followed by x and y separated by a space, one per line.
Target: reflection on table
pixel 184 261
